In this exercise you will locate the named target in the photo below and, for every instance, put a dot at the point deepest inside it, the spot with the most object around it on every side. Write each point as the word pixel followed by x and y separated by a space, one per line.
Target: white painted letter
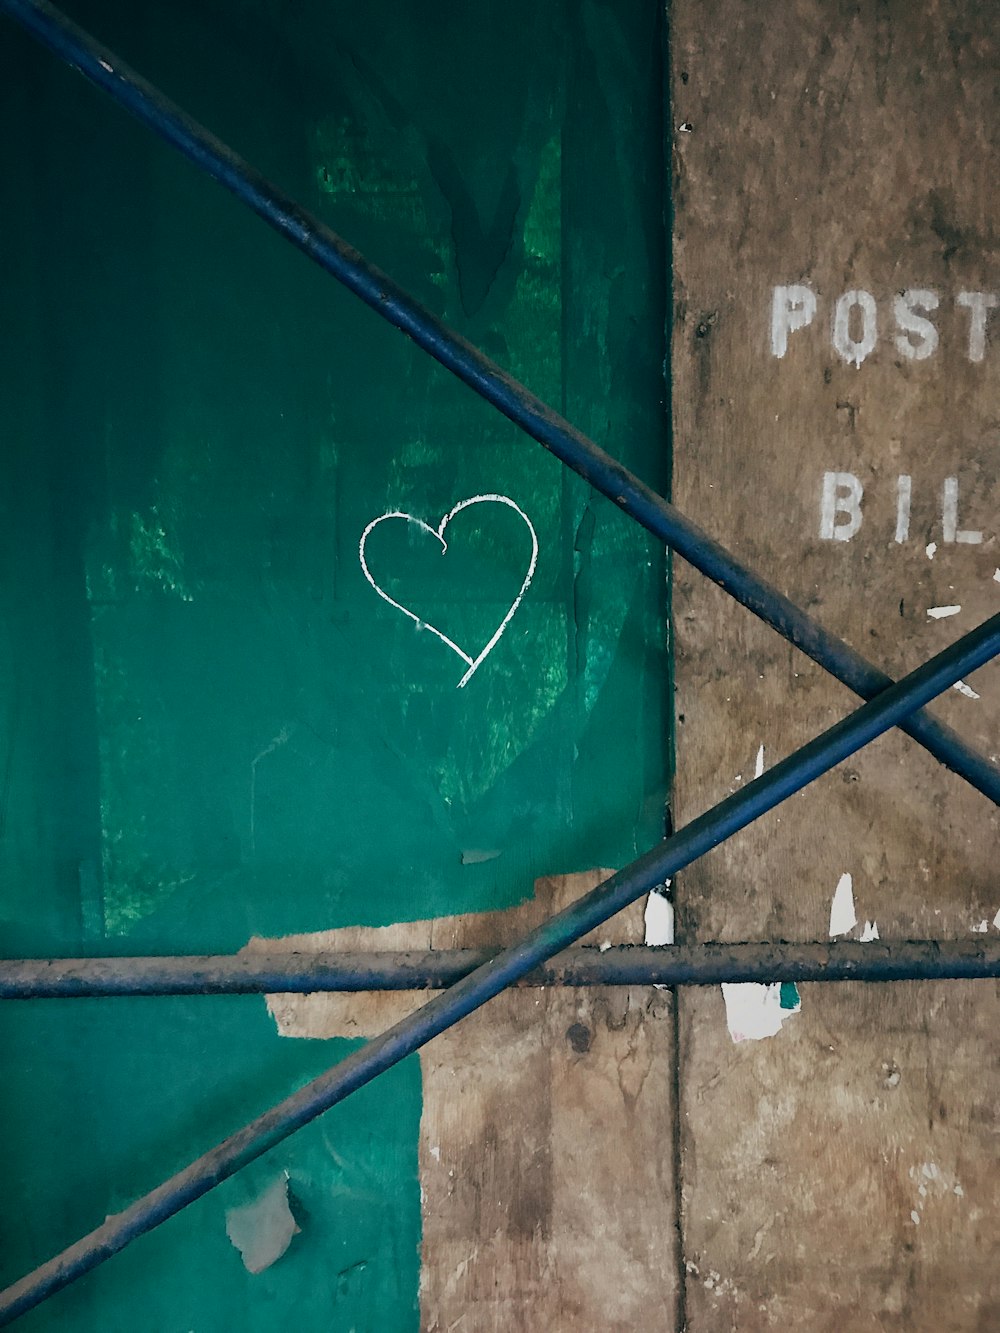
pixel 905 305
pixel 791 308
pixel 854 351
pixel 977 303
pixel 842 494
pixel 949 517
pixel 904 489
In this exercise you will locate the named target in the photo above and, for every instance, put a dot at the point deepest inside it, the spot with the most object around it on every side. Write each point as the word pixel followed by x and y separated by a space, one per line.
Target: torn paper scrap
pixel 869 932
pixel 262 1230
pixel 658 919
pixel 754 1011
pixel 843 917
pixel 758 767
pixel 981 929
pixel 967 690
pixel 996 921
pixel 942 612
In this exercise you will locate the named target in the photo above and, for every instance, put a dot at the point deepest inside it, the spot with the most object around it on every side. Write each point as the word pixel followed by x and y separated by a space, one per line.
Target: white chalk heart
pixel 473 663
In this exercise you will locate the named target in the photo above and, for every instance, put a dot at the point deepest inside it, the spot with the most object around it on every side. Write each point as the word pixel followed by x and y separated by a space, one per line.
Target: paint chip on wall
pixel 262 1230
pixel 755 1011
pixel 475 856
pixel 843 917
pixel 942 612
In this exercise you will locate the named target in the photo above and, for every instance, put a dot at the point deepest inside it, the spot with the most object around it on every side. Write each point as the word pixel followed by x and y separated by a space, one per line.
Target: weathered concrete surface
pixel 839 1174
pixel 546 1140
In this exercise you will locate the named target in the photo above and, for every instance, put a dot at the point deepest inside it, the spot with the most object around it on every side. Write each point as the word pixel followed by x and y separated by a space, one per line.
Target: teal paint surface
pixel 210 725
pixel 789 996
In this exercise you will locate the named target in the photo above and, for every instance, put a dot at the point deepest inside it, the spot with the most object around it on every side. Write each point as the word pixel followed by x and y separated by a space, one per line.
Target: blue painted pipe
pixel 349 971
pixel 378 291
pixel 507 968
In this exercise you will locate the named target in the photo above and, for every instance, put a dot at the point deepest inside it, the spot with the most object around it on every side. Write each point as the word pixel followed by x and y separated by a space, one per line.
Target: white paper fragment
pixel 262 1231
pixel 843 917
pixel 967 690
pixel 658 920
pixel 980 929
pixel 915 1218
pixel 754 1011
pixel 869 932
pixel 930 549
pixel 942 612
pixel 996 576
pixel 758 767
pixel 604 946
pixel 996 921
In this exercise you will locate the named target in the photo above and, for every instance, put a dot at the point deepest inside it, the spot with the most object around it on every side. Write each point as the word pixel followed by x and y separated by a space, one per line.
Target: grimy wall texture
pixel 230 701
pixel 836 415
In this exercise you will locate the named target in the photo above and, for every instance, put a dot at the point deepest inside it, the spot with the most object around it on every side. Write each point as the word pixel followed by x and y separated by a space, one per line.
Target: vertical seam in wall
pixel 675 1114
pixel 674 1093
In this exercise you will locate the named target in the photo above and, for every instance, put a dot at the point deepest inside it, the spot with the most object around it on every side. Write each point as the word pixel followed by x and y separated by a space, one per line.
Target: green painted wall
pixel 210 725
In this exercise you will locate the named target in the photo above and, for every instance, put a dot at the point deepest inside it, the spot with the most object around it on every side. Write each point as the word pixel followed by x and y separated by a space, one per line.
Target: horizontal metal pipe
pixel 451 1006
pixel 620 965
pixel 78 49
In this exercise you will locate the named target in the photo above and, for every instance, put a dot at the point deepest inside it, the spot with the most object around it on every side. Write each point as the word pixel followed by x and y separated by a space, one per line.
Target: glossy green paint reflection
pixel 210 725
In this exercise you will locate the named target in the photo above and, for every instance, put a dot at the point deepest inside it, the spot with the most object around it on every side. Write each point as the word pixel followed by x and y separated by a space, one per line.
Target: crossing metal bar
pixel 621 965
pixel 450 1006
pixel 78 49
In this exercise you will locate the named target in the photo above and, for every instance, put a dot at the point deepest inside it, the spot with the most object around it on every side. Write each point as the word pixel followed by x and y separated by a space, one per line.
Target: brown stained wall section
pixel 546 1162
pixel 841 1174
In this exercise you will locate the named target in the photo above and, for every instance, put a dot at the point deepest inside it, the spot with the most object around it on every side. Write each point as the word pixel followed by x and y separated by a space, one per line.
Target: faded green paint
pixel 210 726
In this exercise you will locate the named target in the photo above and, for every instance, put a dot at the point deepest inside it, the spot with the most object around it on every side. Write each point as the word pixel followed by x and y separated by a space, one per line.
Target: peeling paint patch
pixel 755 1011
pixel 981 929
pixel 942 612
pixel 843 917
pixel 758 768
pixel 996 921
pixel 475 856
pixel 932 1183
pixel 262 1230
pixel 869 932
pixel 996 576
pixel 930 550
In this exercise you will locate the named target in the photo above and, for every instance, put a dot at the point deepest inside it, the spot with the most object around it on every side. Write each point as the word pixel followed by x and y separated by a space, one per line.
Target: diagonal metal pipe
pixel 351 971
pixel 506 969
pixel 78 49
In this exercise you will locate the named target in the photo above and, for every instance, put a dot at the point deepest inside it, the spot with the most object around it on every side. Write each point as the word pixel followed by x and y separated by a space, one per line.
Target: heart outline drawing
pixel 438 534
